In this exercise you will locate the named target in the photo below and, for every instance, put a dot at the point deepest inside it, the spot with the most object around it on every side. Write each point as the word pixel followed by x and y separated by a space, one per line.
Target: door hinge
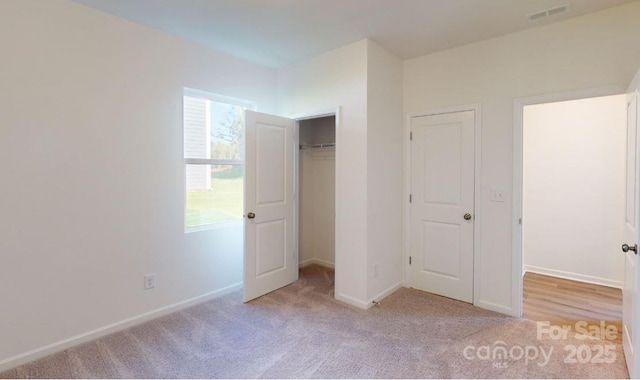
pixel 411 136
pixel 520 221
pixel 410 198
pixel 409 260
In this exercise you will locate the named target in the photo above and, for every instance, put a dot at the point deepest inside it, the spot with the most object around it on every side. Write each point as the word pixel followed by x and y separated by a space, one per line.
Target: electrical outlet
pixel 150 281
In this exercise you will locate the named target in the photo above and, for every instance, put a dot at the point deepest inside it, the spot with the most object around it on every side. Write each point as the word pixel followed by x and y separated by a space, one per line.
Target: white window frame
pixel 247 105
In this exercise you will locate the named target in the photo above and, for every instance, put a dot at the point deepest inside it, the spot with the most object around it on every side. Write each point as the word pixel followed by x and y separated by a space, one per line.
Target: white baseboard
pixel 364 304
pixel 53 348
pixel 572 276
pixel 507 310
pixel 385 293
pixel 324 263
pixel 353 301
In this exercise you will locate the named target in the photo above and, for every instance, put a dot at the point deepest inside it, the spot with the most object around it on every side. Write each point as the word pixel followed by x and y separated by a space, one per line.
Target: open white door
pixel 630 294
pixel 270 260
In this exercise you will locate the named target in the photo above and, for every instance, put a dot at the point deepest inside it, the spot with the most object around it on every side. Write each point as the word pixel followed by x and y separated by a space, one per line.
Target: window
pixel 213 128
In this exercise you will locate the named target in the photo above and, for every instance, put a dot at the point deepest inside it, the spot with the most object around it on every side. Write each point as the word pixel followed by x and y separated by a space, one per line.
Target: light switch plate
pixel 497 196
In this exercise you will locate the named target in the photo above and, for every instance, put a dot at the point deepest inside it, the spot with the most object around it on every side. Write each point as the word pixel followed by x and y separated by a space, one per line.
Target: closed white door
pixel 442 204
pixel 270 260
pixel 630 301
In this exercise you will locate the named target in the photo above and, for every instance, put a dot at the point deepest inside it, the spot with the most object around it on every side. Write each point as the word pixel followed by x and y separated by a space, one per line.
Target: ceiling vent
pixel 548 13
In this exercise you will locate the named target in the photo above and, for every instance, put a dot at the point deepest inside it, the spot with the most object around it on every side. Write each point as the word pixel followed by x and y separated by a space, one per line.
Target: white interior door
pixel 630 294
pixel 442 204
pixel 270 258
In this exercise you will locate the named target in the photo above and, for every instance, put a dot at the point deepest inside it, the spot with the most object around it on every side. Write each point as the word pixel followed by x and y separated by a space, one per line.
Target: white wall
pixel 93 175
pixel 339 78
pixel 574 178
pixel 384 174
pixel 595 50
pixel 366 82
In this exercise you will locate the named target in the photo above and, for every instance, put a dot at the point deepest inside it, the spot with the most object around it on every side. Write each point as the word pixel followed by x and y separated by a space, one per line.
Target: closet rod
pixel 328 145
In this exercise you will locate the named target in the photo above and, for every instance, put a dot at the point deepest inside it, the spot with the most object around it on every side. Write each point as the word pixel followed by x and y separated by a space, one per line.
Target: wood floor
pixel 558 300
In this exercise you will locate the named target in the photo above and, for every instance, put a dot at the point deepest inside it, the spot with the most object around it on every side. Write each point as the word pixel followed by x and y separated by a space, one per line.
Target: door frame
pixel 517 186
pixel 298 118
pixel 477 187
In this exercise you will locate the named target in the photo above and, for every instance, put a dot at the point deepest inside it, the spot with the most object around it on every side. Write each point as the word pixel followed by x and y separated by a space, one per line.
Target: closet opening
pixel 316 200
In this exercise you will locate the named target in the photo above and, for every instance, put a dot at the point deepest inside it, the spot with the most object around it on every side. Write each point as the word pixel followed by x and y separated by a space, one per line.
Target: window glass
pixel 214 194
pixel 227 131
pixel 214 159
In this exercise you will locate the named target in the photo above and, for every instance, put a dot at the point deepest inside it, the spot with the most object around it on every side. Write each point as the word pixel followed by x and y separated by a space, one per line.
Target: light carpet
pixel 300 331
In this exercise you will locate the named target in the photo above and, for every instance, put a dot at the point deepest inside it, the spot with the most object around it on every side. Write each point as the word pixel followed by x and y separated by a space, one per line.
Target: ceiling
pixel 278 32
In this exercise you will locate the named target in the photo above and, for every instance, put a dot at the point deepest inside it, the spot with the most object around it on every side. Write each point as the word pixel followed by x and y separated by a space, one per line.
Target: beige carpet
pixel 301 332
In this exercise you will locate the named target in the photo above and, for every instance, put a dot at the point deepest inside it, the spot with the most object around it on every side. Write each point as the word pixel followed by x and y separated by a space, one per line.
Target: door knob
pixel 627 248
pixel 467 216
pixel 251 215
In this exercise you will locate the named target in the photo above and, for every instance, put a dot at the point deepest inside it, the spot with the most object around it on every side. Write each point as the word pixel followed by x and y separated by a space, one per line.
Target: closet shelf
pixel 328 145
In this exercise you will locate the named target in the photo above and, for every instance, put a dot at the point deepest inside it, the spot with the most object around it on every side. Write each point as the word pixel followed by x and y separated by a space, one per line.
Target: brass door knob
pixel 251 215
pixel 467 216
